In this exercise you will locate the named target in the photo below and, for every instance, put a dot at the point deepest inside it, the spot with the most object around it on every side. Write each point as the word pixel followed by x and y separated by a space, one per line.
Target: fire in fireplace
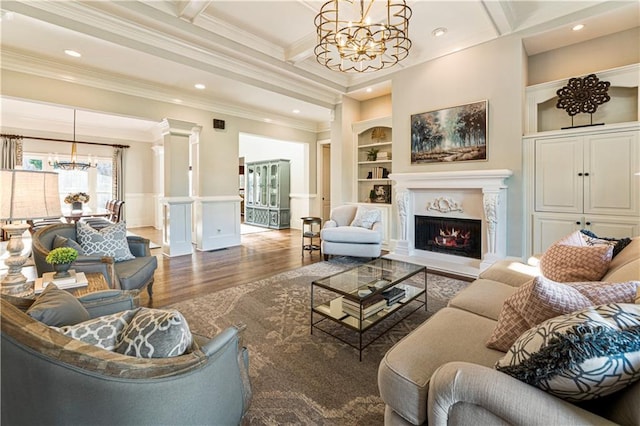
pixel 455 236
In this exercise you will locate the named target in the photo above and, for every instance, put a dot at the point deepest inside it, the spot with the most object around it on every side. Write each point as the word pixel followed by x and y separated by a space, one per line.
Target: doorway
pixel 325 179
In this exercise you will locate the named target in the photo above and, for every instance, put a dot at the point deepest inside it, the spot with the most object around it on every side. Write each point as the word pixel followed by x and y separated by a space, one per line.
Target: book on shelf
pixel 75 280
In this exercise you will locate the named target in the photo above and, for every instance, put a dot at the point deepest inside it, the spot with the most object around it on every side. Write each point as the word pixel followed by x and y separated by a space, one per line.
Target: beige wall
pixel 491 71
pixel 376 108
pixel 603 53
pixel 218 148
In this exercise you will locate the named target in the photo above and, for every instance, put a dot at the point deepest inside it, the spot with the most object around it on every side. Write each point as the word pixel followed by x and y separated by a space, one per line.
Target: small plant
pixel 372 154
pixel 61 255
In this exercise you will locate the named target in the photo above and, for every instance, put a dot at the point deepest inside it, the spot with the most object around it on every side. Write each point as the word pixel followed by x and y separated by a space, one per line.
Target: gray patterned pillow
pixel 109 241
pixel 103 332
pixel 579 356
pixel 155 333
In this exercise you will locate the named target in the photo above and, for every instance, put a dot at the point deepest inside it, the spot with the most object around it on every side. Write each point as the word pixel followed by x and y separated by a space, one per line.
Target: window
pixel 97 182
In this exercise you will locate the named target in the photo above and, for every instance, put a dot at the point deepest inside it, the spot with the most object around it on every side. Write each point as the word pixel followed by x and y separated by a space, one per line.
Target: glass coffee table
pixel 365 295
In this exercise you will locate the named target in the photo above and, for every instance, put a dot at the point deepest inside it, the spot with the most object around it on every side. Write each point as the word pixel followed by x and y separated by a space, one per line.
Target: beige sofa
pixel 442 372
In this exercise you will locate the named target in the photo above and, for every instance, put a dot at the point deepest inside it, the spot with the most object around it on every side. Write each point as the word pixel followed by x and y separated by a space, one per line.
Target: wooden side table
pixel 309 233
pixel 96 280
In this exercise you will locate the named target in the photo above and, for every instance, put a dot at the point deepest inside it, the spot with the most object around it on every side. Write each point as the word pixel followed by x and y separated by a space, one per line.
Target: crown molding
pixel 40 67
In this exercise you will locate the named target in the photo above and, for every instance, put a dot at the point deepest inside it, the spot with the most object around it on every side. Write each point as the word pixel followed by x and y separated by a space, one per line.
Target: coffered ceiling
pixel 255 58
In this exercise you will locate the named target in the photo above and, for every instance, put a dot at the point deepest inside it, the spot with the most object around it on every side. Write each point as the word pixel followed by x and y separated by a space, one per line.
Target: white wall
pixel 257 148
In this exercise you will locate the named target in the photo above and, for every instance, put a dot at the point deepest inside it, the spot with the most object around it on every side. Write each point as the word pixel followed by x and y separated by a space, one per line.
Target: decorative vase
pixel 62 270
pixel 77 205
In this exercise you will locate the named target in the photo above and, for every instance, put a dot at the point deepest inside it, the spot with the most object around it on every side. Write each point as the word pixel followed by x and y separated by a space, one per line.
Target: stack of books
pixel 370 307
pixel 378 173
pixel 393 295
pixel 74 280
pixel 383 155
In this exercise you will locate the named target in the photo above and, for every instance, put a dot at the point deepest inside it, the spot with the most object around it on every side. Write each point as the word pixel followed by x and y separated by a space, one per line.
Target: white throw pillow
pixel 109 241
pixel 365 217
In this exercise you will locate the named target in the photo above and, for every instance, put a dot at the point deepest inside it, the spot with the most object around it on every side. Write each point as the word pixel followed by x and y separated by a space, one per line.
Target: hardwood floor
pixel 260 256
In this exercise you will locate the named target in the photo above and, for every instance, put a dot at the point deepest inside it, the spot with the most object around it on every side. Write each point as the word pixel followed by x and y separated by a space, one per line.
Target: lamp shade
pixel 26 194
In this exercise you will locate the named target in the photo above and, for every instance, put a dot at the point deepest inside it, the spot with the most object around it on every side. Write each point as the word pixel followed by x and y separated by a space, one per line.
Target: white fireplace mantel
pixel 491 183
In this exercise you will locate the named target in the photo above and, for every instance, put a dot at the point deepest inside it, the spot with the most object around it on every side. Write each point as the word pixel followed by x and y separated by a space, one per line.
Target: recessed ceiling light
pixel 439 32
pixel 72 53
pixel 177 101
pixel 268 120
pixel 369 90
pixel 200 86
pixel 578 27
pixel 296 111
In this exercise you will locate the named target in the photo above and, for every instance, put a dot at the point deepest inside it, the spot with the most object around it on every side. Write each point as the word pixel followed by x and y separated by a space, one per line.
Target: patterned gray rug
pixel 296 377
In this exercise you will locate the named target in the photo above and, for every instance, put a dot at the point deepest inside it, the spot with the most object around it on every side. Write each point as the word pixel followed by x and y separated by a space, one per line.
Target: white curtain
pixel 11 152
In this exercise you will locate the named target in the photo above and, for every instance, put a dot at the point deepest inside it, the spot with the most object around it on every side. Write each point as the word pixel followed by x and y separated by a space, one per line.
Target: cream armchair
pixel 352 231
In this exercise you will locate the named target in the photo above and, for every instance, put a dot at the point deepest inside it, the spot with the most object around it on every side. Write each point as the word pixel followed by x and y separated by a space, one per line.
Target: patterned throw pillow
pixel 365 218
pixel 541 299
pixel 580 356
pixel 103 332
pixel 109 241
pixel 591 239
pixel 155 333
pixel 565 263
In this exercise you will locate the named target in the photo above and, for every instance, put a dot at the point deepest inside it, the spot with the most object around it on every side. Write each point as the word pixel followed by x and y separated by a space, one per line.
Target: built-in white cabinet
pixel 582 178
pixel 267 194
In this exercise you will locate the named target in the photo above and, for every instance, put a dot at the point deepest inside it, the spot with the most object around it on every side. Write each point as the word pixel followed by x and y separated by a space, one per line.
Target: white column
pixel 495 214
pixel 177 202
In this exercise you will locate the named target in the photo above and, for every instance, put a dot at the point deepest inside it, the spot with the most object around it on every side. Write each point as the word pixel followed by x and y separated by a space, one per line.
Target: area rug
pixel 297 377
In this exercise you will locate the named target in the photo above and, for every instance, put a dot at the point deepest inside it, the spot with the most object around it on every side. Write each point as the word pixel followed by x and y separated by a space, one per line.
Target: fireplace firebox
pixel 454 236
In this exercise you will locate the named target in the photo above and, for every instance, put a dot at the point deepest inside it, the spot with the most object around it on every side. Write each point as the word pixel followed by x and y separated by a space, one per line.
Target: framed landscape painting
pixel 452 134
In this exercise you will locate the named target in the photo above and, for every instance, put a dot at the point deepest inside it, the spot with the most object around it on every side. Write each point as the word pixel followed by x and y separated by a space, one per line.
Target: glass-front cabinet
pixel 267 192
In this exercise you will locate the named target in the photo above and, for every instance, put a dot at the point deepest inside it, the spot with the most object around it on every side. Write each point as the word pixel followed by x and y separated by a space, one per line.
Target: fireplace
pixel 479 195
pixel 454 236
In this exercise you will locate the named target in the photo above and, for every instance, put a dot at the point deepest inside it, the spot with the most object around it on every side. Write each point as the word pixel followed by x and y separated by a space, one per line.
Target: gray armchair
pixel 49 378
pixel 131 274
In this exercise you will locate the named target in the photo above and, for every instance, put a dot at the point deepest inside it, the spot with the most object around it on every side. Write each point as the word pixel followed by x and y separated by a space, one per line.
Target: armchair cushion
pixel 60 241
pixel 366 217
pixel 57 308
pixel 102 332
pixel 109 241
pixel 135 273
pixel 579 356
pixel 351 234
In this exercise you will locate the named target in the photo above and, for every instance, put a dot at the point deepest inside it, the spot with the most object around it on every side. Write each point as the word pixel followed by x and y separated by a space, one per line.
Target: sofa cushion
pixel 155 333
pixel 103 331
pixel 366 217
pixel 351 234
pixel 483 297
pixel 60 241
pixel 57 307
pixel 109 241
pixel 626 265
pixel 542 299
pixel 511 272
pixel 134 273
pixel 449 335
pixel 564 263
pixel 580 356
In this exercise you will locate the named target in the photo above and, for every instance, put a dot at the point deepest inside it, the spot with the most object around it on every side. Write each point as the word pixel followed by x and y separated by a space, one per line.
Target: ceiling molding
pixel 191 9
pixel 41 67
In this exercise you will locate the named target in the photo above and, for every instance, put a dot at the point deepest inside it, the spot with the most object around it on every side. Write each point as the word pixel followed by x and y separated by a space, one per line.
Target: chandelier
pixel 362 35
pixel 74 164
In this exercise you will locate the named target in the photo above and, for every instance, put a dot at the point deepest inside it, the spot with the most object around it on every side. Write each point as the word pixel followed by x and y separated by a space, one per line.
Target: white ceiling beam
pixel 189 10
pixel 501 16
pixel 301 49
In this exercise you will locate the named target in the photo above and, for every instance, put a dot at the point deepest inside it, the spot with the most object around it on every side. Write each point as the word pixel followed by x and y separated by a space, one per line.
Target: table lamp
pixel 24 194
